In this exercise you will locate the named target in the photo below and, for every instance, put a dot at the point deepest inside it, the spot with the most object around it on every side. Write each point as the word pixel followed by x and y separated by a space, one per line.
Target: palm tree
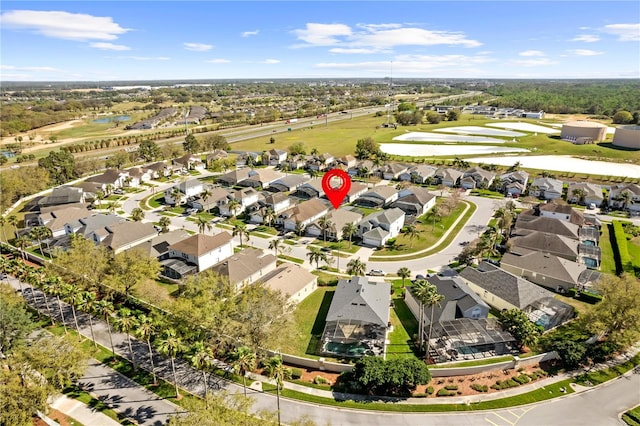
pixel 316 255
pixel 625 197
pixel 269 216
pixel 88 304
pixel 505 220
pixel 349 230
pixel 203 223
pixel 146 329
pixel 3 222
pixel 13 221
pixel 39 233
pixel 325 224
pixel 579 194
pixel 276 370
pixel 412 232
pixel 205 195
pixel 109 189
pixel 299 228
pixel 112 206
pixel 432 298
pixel 57 289
pixel 100 196
pixel 404 273
pixel 240 229
pixel 176 194
pixel 202 359
pixel 276 245
pixel 435 213
pixel 23 242
pixel 164 224
pixel 356 267
pixel 244 360
pixel 312 173
pixel 104 307
pixel 420 289
pixel 233 205
pixel 171 345
pixel 72 297
pixel 137 214
pixel 126 322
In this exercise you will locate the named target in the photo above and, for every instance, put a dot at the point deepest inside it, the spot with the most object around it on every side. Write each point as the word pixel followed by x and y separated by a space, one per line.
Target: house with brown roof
pixel 110 178
pixel 414 201
pixel 187 190
pixel 557 245
pixel 55 217
pixel 274 157
pixel 245 267
pixel 419 174
pixel 261 178
pixel 215 155
pixel 158 246
pixel 514 183
pixel 355 191
pixel 293 281
pixel 121 236
pixel 189 162
pixel 392 171
pixel 245 197
pixel 203 250
pixel 233 177
pixel 378 196
pixel 310 189
pixel 217 197
pixel 544 269
pixel 159 169
pixel 448 176
pixel 338 219
pixel 477 177
pixel 302 214
pixel 138 175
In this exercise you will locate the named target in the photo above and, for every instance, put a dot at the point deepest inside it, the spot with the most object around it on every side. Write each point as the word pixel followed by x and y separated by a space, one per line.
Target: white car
pixel 376 273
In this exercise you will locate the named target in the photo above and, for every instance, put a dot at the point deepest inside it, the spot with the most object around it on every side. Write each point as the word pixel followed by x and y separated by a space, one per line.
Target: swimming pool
pixel 347 349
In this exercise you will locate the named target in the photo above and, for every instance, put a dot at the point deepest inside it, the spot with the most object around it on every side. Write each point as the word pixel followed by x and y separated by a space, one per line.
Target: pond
pixel 420 150
pixel 104 120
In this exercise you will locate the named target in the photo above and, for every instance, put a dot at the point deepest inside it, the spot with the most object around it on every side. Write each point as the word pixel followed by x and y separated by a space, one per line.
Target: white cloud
pixel 531 53
pixel 64 25
pixel 353 51
pixel 587 38
pixel 584 52
pixel 109 46
pixel 46 69
pixel 250 33
pixel 198 47
pixel 218 61
pixel 534 62
pixel 322 34
pixel 270 61
pixel 625 32
pixel 146 58
pixel 412 64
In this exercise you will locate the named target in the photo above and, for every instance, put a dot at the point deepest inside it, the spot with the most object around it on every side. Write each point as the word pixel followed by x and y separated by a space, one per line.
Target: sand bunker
pixel 437 137
pixel 418 150
pixel 477 130
pixel 525 127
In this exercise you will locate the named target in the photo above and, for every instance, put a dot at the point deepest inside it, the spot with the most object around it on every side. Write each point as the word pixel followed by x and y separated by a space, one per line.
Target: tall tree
pixel 203 224
pixel 146 329
pixel 432 299
pixel 129 268
pixel 202 359
pixel 244 360
pixel 404 273
pixel 127 322
pixel 420 290
pixel 412 232
pixel 72 295
pixel 149 150
pixel 191 144
pixel 88 305
pixel 315 254
pixel 521 328
pixel 240 229
pixel 171 345
pixel 137 214
pixel 348 231
pixel 276 245
pixel 164 223
pixel 61 166
pixel 325 225
pixel 277 371
pixel 356 267
pixel 105 308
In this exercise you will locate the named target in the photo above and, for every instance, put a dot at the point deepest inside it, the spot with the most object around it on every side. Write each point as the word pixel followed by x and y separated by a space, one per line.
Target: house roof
pixel 157 166
pixel 381 191
pixel 307 209
pixel 273 198
pixel 235 175
pixel 88 224
pixel 546 264
pixel 449 174
pixel 514 290
pixel 159 245
pixel 423 170
pixel 243 264
pixel 527 222
pixel 633 188
pixel 546 242
pixel 591 189
pixel 517 176
pixel 358 299
pixel 458 297
pixel 264 175
pixel 416 194
pixel 56 219
pixel 125 233
pixel 548 184
pixel 288 279
pixel 356 188
pixel 387 216
pixel 199 244
pixel 292 181
pixel 186 159
pixel 340 217
pixel 482 173
pixel 375 234
pixel 62 195
pixel 109 176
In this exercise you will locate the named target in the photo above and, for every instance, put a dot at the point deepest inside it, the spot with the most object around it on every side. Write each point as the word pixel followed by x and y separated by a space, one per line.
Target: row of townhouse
pixel 151 122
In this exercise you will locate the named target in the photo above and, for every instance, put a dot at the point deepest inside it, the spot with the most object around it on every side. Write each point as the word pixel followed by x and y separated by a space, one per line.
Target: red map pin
pixel 336 194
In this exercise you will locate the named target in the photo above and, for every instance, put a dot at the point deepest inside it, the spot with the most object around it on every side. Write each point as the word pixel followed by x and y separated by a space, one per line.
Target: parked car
pixel 376 273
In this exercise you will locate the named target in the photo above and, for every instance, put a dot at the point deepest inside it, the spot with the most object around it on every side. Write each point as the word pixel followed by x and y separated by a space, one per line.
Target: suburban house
pixel 361 167
pixel 414 201
pixel 338 219
pixel 188 162
pixel 260 178
pixel 138 175
pixel 419 174
pixel 503 291
pixel 561 212
pixel 526 222
pixel 448 177
pixel 288 183
pixel 477 177
pixel 233 177
pixel 302 214
pixel 295 162
pixel 86 225
pixel 293 281
pixel 277 202
pixel 216 155
pixel 197 253
pixel 358 318
pixel 376 228
pixel 320 162
pixel 215 198
pixel 355 191
pixel 245 267
pixel 585 193
pixel 311 189
pixel 248 159
pixel 63 195
pixel 245 198
pixel 187 189
pixel 514 183
pixel 121 236
pixel 158 246
pixel 274 157
pixel 392 171
pixel 159 169
pixel 55 217
pixel 348 161
pixel 557 245
pixel 553 272
pixel 111 178
pixel 625 196
pixel 378 196
pixel 546 188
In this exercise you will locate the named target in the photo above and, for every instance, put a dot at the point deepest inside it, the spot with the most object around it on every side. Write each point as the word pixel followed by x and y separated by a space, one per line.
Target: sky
pixel 129 40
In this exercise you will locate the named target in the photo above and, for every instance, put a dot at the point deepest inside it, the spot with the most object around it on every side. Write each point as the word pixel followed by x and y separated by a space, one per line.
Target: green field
pixel 309 318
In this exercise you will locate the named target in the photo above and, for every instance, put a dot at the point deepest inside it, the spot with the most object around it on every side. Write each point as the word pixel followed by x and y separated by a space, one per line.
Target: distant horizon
pixel 69 41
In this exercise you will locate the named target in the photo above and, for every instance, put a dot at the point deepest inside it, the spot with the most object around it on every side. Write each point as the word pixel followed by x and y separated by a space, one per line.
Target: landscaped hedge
pixel 623 251
pixel 505 384
pixel 480 388
pixel 296 373
pixel 585 296
pixel 445 392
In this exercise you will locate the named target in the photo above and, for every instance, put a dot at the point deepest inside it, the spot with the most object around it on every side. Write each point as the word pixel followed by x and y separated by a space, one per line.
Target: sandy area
pixel 438 137
pixel 525 127
pixel 478 130
pixel 428 150
pixel 565 163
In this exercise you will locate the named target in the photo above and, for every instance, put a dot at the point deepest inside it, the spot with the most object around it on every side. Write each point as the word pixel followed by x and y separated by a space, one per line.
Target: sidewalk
pixel 81 412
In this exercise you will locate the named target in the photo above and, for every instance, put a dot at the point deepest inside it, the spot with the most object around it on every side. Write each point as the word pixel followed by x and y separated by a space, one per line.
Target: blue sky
pixel 118 40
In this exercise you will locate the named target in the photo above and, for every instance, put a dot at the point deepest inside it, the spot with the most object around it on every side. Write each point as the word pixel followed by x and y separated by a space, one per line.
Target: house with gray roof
pixel 625 196
pixel 557 245
pixel 310 189
pixel 293 281
pixel 338 219
pixel 261 178
pixel 217 197
pixel 514 182
pixel 233 177
pixel 358 318
pixel 110 178
pixel 477 177
pixel 553 272
pixel 274 157
pixel 414 201
pixel 62 195
pixel 121 236
pixel 376 228
pixel 245 267
pixel 546 188
pixel 158 246
pixel 419 174
pixel 86 225
pixel 355 191
pixel 526 223
pixel 392 171
pixel 585 194
pixel 288 183
pixel 448 176
pixel 200 251
pixel 503 290
pixel 56 217
pixel 188 190
pixel 378 196
pixel 302 214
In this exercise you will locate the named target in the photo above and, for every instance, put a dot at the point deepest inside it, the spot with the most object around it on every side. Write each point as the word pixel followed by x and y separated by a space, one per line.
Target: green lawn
pixel 601 376
pixel 309 318
pixel 473 363
pixel 291 259
pixel 337 245
pixel 608 262
pixel 633 245
pixel 632 417
pixel 404 327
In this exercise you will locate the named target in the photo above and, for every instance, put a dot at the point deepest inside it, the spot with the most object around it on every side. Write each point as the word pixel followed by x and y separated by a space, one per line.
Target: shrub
pixel 444 392
pixel 296 373
pixel 505 384
pixel 429 390
pixel 319 380
pixel 480 388
pixel 522 379
pixel 451 387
